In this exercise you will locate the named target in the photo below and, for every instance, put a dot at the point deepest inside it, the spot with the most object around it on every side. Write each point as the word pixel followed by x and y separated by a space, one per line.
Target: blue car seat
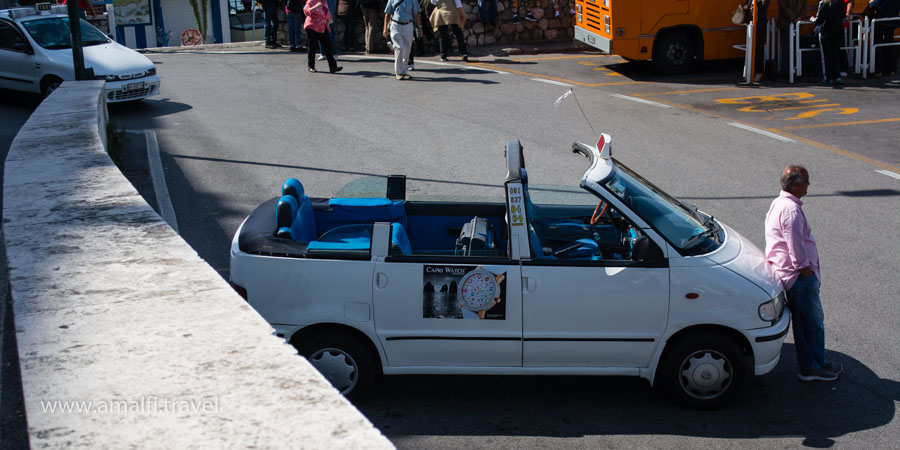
pixel 301 225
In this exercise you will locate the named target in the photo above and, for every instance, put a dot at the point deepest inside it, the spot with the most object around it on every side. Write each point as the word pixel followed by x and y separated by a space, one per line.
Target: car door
pixel 16 59
pixel 435 311
pixel 600 308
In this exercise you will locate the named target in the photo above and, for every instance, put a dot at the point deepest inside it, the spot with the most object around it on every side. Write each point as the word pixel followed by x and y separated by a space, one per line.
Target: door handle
pixel 381 280
pixel 528 284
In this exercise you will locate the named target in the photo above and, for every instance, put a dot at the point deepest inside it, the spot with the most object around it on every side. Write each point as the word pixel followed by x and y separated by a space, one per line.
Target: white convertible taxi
pixel 36 55
pixel 619 279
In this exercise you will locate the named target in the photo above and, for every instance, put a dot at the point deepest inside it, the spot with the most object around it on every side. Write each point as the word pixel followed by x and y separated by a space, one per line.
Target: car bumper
pixel 767 342
pixel 123 91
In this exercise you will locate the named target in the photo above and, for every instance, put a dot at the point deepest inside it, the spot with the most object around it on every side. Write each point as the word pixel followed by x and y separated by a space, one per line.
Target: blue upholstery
pixel 285 211
pixel 302 226
pixel 344 211
pixel 293 187
pixel 537 250
pixel 400 239
pixel 583 248
pixel 347 237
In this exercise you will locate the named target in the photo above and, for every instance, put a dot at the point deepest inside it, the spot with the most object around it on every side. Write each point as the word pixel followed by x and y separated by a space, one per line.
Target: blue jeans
pixel 270 9
pixel 295 29
pixel 488 10
pixel 808 320
pixel 332 6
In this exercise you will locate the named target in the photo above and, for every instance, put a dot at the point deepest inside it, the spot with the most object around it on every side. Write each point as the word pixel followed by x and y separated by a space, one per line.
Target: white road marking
pixel 762 132
pixel 424 61
pixel 889 173
pixel 640 100
pixel 159 180
pixel 558 83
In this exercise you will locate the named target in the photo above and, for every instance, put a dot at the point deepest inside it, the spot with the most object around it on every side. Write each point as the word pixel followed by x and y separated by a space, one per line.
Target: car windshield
pixel 53 33
pixel 682 225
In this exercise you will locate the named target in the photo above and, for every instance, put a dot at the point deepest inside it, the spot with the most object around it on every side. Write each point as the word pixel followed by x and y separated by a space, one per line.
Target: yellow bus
pixel 670 33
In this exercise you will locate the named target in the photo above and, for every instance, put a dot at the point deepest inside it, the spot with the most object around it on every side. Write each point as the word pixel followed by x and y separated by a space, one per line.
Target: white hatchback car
pixel 613 277
pixel 36 56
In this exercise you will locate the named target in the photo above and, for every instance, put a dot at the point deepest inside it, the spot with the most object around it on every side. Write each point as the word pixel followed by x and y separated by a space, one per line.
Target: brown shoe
pixel 406 76
pixel 400 77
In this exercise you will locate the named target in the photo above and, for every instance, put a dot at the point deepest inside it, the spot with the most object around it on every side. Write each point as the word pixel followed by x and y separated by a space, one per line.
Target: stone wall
pixel 547 27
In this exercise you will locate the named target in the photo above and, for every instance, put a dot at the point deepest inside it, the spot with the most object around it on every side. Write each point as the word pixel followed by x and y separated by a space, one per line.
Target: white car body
pixel 26 65
pixel 584 316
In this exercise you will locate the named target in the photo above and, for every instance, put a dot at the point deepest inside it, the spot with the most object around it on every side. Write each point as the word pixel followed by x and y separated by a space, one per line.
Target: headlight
pixel 106 77
pixel 151 72
pixel 771 310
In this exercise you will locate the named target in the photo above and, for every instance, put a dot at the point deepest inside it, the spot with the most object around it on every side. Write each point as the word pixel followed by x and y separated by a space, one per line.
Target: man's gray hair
pixel 791 176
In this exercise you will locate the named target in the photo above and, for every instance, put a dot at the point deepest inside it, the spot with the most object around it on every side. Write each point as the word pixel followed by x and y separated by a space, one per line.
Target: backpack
pixel 295 5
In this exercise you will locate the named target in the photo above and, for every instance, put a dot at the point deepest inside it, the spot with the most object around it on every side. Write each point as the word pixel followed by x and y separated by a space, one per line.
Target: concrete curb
pixel 115 311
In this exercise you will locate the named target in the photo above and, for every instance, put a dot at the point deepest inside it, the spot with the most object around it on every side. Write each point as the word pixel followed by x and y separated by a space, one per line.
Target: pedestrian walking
pixel 793 256
pixel 399 16
pixel 830 27
pixel 347 12
pixel 448 15
pixel 270 15
pixel 332 39
pixel 318 23
pixel 293 11
pixel 372 11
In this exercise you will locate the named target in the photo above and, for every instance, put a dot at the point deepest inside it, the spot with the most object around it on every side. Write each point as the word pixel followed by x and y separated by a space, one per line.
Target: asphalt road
pixel 231 127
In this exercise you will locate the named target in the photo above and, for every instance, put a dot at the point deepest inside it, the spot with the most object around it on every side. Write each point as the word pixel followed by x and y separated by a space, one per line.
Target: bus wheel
pixel 674 53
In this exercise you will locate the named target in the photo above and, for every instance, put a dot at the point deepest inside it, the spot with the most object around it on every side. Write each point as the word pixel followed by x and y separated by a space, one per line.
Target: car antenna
pixel 571 92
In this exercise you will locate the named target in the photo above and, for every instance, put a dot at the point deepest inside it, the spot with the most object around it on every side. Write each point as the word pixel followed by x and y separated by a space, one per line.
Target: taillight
pixel 240 290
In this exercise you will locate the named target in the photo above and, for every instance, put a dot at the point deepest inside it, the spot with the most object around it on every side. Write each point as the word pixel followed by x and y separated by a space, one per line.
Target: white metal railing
pixel 873 46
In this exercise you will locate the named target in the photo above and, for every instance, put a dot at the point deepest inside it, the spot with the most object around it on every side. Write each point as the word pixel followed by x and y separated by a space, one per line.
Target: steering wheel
pixel 596 217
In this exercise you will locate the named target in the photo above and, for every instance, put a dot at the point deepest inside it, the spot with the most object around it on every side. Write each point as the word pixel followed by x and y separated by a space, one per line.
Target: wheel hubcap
pixel 705 374
pixel 676 54
pixel 337 366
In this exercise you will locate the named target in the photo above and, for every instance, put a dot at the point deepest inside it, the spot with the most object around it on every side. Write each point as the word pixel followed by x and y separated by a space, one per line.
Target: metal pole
pixel 754 12
pixel 791 67
pixel 75 32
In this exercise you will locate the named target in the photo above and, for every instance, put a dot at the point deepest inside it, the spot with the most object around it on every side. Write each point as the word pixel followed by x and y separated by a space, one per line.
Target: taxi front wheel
pixel 702 370
pixel 48 85
pixel 343 360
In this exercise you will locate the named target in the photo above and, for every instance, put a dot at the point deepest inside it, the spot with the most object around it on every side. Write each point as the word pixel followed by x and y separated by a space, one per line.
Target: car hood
pixel 744 258
pixel 106 59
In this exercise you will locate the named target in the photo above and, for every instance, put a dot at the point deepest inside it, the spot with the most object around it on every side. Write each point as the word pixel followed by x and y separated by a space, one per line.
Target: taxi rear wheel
pixel 49 84
pixel 702 370
pixel 343 360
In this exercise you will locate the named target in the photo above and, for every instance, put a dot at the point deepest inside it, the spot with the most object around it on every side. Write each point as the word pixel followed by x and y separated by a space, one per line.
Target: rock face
pixel 477 33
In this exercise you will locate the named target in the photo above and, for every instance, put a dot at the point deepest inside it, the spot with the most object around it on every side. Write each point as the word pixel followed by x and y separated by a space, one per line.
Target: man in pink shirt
pixel 792 255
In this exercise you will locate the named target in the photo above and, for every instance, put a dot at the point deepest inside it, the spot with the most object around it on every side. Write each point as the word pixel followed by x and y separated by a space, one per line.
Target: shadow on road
pixel 774 405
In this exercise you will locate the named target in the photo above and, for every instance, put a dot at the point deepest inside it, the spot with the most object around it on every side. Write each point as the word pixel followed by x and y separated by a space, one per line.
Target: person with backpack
pixel 830 28
pixel 293 11
pixel 399 16
pixel 449 15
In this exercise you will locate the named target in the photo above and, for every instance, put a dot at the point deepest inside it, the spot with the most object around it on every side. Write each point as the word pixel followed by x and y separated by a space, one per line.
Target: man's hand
pixel 806 272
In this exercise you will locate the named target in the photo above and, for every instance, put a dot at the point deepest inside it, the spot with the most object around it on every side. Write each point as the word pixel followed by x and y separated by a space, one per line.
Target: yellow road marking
pixel 546 77
pixel 842 124
pixel 753 108
pixel 820 145
pixel 816 112
pixel 765 98
pixel 691 91
pixel 548 58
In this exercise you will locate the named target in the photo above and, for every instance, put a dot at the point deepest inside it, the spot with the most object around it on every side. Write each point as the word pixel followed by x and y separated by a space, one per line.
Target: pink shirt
pixel 790 245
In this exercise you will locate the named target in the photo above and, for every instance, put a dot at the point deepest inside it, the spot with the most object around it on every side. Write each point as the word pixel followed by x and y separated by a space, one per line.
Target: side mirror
pixel 639 248
pixel 22 47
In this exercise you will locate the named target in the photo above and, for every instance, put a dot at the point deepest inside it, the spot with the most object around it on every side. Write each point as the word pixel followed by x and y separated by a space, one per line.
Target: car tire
pixel 49 84
pixel 674 53
pixel 702 370
pixel 345 361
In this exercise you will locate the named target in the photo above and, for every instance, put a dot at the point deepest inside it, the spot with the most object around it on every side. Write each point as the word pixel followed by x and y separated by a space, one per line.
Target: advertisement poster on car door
pixel 463 292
